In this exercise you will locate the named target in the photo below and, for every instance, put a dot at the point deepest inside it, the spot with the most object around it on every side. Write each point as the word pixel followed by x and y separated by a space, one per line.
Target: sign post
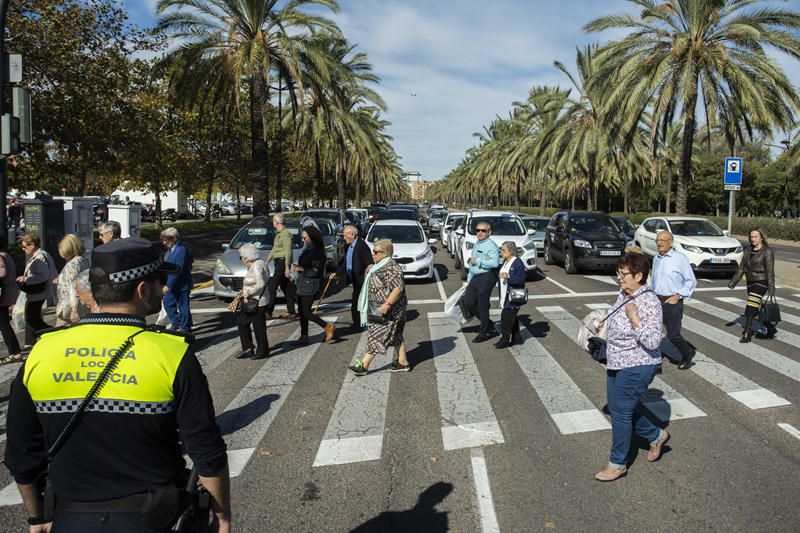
pixel 732 183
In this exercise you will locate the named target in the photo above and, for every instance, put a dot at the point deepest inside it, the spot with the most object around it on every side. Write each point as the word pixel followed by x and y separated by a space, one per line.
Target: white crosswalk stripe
pixel 466 413
pixel 782 335
pixel 664 402
pixel 355 430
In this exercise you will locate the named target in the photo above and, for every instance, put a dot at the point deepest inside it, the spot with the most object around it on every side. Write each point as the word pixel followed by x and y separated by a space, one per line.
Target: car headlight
pixel 469 245
pixel 628 244
pixel 426 255
pixel 581 243
pixel 530 245
pixel 222 268
pixel 739 250
pixel 693 249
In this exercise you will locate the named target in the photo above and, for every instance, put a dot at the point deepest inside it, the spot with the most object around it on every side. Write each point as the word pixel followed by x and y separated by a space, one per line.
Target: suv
pixel 505 227
pixel 583 240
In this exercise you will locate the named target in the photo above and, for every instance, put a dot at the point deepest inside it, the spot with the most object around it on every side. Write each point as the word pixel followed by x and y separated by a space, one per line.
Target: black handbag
pixel 307 286
pixel 32 288
pixel 251 305
pixel 518 295
pixel 770 312
pixel 374 315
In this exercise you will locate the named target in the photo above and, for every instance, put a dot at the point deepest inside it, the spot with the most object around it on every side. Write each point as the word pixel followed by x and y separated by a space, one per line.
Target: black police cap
pixel 125 260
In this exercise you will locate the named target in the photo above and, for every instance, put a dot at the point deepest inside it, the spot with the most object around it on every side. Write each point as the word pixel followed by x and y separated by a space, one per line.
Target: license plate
pixel 720 260
pixel 610 252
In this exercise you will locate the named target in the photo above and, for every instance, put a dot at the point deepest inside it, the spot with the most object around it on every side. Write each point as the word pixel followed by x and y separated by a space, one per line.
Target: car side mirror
pixel 531 231
pixel 726 233
pixel 448 228
pixel 433 241
pixel 225 246
pixel 460 231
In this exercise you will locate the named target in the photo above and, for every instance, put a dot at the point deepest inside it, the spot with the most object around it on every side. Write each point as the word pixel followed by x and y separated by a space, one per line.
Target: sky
pixel 449 67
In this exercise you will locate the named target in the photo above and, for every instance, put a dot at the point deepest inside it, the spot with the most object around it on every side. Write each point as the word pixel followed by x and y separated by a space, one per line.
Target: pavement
pixel 481 439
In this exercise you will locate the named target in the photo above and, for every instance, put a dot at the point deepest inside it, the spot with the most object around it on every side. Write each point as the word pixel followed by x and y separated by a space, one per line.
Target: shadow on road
pixel 422 517
pixel 424 350
pixel 241 417
pixel 537 329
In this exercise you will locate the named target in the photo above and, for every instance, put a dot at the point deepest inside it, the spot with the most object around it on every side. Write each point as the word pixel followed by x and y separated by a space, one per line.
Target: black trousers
pixel 476 297
pixel 673 316
pixel 288 288
pixel 259 322
pixel 73 522
pixel 509 324
pixel 354 313
pixel 306 315
pixel 34 322
pixel 9 337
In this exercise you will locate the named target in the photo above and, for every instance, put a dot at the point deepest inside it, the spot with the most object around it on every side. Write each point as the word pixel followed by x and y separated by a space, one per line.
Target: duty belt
pixel 126 504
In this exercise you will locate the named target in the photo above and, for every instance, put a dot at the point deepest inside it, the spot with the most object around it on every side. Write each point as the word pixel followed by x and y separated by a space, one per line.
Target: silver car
pixel 229 270
pixel 330 236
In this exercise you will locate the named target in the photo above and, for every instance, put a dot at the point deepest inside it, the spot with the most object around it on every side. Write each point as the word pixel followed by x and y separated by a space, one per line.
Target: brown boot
pixel 329 332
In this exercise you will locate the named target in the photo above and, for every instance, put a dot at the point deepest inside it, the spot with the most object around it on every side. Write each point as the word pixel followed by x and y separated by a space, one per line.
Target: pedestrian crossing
pixel 355 427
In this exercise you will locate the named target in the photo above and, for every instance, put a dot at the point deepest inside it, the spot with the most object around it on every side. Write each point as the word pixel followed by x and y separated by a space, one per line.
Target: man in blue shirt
pixel 672 279
pixel 481 280
pixel 353 269
pixel 176 291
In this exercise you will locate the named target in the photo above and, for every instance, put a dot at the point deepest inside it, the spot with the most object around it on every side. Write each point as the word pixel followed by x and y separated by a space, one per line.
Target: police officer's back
pixel 127 443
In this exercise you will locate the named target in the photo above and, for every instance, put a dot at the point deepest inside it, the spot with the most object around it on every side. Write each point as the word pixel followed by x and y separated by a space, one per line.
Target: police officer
pixel 117 469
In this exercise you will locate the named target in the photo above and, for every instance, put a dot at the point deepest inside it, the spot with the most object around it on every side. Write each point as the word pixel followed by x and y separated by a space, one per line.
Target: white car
pixel 454 238
pixel 506 226
pixel 411 249
pixel 447 226
pixel 708 248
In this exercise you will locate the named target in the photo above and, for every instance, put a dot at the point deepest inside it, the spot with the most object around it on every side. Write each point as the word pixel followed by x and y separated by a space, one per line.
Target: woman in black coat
pixel 310 268
pixel 512 276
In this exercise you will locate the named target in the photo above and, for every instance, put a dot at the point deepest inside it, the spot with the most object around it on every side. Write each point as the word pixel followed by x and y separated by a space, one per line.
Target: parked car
pixel 170 214
pixel 447 226
pixel 539 225
pixel 411 249
pixel 229 270
pixel 435 220
pixel 584 240
pixel 359 218
pixel 506 226
pixel 707 247
pixel 330 235
pixel 375 212
pixel 626 226
pixel 398 214
pixel 336 215
pixel 454 238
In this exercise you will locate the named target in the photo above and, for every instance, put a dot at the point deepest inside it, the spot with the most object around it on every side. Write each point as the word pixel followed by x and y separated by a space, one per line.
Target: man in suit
pixel 353 269
pixel 176 291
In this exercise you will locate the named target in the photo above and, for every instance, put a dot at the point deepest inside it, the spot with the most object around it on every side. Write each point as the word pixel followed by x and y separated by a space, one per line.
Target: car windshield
pixel 695 228
pixel 325 228
pixel 330 215
pixel 625 224
pixel 263 237
pixel 535 224
pixel 456 220
pixel 398 214
pixel 500 224
pixel 397 234
pixel 592 222
pixel 438 214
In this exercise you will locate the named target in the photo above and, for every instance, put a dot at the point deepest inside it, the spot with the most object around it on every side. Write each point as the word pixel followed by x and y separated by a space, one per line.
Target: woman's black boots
pixel 748 330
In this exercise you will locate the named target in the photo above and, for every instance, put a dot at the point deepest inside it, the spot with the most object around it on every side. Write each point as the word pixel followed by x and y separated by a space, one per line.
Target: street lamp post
pixel 3 182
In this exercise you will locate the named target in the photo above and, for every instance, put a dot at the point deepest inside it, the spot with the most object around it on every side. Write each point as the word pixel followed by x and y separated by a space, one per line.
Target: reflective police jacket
pixel 128 438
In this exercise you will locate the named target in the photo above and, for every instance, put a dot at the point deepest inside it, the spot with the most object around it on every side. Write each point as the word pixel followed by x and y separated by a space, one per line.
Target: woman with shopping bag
pixel 8 295
pixel 37 282
pixel 758 265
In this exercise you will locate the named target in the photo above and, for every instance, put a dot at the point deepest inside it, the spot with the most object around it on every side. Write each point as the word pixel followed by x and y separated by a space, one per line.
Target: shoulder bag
pixel 770 311
pixel 518 295
pixel 591 333
pixel 251 305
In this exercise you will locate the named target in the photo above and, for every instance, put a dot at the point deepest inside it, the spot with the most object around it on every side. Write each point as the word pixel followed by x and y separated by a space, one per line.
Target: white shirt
pixel 504 282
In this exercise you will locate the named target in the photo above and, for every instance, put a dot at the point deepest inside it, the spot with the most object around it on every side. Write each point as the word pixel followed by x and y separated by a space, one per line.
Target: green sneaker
pixel 358 368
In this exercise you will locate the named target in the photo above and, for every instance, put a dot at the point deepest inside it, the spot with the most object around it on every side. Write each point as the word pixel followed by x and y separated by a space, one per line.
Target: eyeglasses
pixel 375 252
pixel 480 230
pixel 622 273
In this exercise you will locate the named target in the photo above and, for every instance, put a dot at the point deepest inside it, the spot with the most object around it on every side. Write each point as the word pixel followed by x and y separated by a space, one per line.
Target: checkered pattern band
pixel 135 273
pixel 101 405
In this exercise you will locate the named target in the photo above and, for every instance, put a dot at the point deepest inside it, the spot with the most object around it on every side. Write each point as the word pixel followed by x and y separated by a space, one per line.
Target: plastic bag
pixel 18 312
pixel 453 308
pixel 591 328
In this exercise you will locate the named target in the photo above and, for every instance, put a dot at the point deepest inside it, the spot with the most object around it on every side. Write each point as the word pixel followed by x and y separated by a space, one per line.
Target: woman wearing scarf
pixel 384 282
pixel 37 282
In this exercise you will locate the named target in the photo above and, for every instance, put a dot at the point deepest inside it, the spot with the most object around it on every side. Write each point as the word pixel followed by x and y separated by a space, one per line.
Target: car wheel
pixel 569 263
pixel 548 255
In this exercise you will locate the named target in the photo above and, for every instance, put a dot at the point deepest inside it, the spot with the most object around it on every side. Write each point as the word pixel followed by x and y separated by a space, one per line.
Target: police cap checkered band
pixel 126 260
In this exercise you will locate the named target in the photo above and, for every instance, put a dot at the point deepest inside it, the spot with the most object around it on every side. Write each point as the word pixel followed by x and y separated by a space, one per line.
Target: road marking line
pixel 560 285
pixel 425 302
pixel 355 429
pixel 663 402
pixel 785 317
pixel 467 416
pixel 442 294
pixel 10 495
pixel 604 279
pixel 787 303
pixel 791 430
pixel 212 355
pixel 246 419
pixel 483 492
pixel 323 307
pixel 784 336
pixel 569 408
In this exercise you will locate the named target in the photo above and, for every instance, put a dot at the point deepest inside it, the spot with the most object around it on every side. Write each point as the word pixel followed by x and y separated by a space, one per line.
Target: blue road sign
pixel 733 171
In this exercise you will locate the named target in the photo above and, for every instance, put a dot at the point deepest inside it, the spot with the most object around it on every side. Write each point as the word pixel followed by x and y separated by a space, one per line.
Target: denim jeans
pixel 177 308
pixel 624 388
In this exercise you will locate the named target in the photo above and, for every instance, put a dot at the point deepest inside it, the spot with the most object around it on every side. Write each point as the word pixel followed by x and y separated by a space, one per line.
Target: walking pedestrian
pixel 110 230
pixel 281 255
pixel 385 295
pixel 310 268
pixel 37 282
pixel 673 281
pixel 512 275
pixel 633 341
pixel 8 295
pixel 71 249
pixel 119 469
pixel 83 288
pixel 353 269
pixel 253 319
pixel 176 291
pixel 481 280
pixel 758 265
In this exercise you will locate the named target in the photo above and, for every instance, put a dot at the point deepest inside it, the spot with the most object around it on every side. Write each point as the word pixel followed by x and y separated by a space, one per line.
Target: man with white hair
pixel 176 291
pixel 281 254
pixel 109 231
pixel 353 269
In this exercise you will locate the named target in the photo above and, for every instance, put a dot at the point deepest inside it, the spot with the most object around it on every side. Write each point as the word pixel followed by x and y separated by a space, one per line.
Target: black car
pixel 583 240
pixel 398 214
pixel 626 226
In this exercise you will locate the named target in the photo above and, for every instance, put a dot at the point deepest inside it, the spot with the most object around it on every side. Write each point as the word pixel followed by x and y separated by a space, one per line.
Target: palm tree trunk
pixel 626 182
pixel 686 153
pixel 340 189
pixel 317 178
pixel 373 189
pixel 279 151
pixel 357 200
pixel 590 205
pixel 209 187
pixel 669 190
pixel 543 197
pixel 517 192
pixel 258 145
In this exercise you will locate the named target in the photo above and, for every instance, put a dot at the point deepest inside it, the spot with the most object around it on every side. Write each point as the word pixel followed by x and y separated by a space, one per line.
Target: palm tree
pixel 678 48
pixel 246 41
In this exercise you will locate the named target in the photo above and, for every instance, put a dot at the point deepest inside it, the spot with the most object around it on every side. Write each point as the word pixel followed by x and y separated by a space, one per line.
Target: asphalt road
pixel 480 439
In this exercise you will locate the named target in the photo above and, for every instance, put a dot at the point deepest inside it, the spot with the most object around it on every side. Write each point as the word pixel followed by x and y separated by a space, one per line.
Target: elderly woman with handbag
pixel 633 340
pixel 253 305
pixel 758 265
pixel 72 251
pixel 383 309
pixel 310 268
pixel 512 295
pixel 37 282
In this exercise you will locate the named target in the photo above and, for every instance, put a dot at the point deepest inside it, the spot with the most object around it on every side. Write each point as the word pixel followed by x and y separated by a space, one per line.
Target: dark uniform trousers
pixel 288 288
pixel 354 312
pixel 673 316
pixel 72 522
pixel 476 297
